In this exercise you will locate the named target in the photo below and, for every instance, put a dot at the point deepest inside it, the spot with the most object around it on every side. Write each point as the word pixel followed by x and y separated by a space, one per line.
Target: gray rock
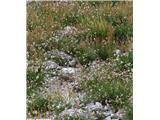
pixel 72 62
pixel 114 116
pixel 67 59
pixel 121 113
pixel 107 113
pixel 108 118
pixel 69 71
pixel 91 111
pixel 68 30
pixel 94 107
pixel 117 52
pixel 50 65
pixel 53 84
pixel 73 112
pixel 89 106
pixel 98 105
pixel 107 108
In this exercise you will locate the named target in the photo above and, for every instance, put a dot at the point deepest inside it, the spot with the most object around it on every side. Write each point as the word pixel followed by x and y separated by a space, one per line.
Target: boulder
pixel 70 72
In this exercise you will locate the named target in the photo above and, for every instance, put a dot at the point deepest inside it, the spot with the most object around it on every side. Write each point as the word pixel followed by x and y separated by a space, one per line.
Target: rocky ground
pixel 62 76
pixel 66 81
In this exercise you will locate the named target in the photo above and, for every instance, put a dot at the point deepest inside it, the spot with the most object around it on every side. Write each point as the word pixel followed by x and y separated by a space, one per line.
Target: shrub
pixel 85 56
pixel 123 33
pixel 39 104
pixel 68 45
pixel 117 20
pixel 98 28
pixel 42 104
pixel 104 51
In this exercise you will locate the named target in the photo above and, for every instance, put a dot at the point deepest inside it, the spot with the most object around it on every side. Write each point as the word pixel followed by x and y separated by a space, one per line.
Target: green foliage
pixel 67 44
pixel 115 90
pixel 85 56
pixel 125 61
pixel 104 51
pixel 129 112
pixel 35 79
pixel 39 104
pixel 98 28
pixel 117 20
pixel 58 105
pixel 72 19
pixel 123 32
pixel 108 83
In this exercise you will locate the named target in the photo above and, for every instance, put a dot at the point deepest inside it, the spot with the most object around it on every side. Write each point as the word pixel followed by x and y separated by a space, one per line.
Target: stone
pixel 114 116
pixel 107 113
pixel 69 71
pixel 108 118
pixel 67 59
pixel 89 106
pixel 117 52
pixel 121 113
pixel 73 112
pixel 68 30
pixel 50 65
pixel 94 107
pixel 91 111
pixel 98 105
pixel 72 62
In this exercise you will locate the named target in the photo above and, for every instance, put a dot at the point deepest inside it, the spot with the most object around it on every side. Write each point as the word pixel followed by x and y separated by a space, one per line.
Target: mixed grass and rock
pixel 79 60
